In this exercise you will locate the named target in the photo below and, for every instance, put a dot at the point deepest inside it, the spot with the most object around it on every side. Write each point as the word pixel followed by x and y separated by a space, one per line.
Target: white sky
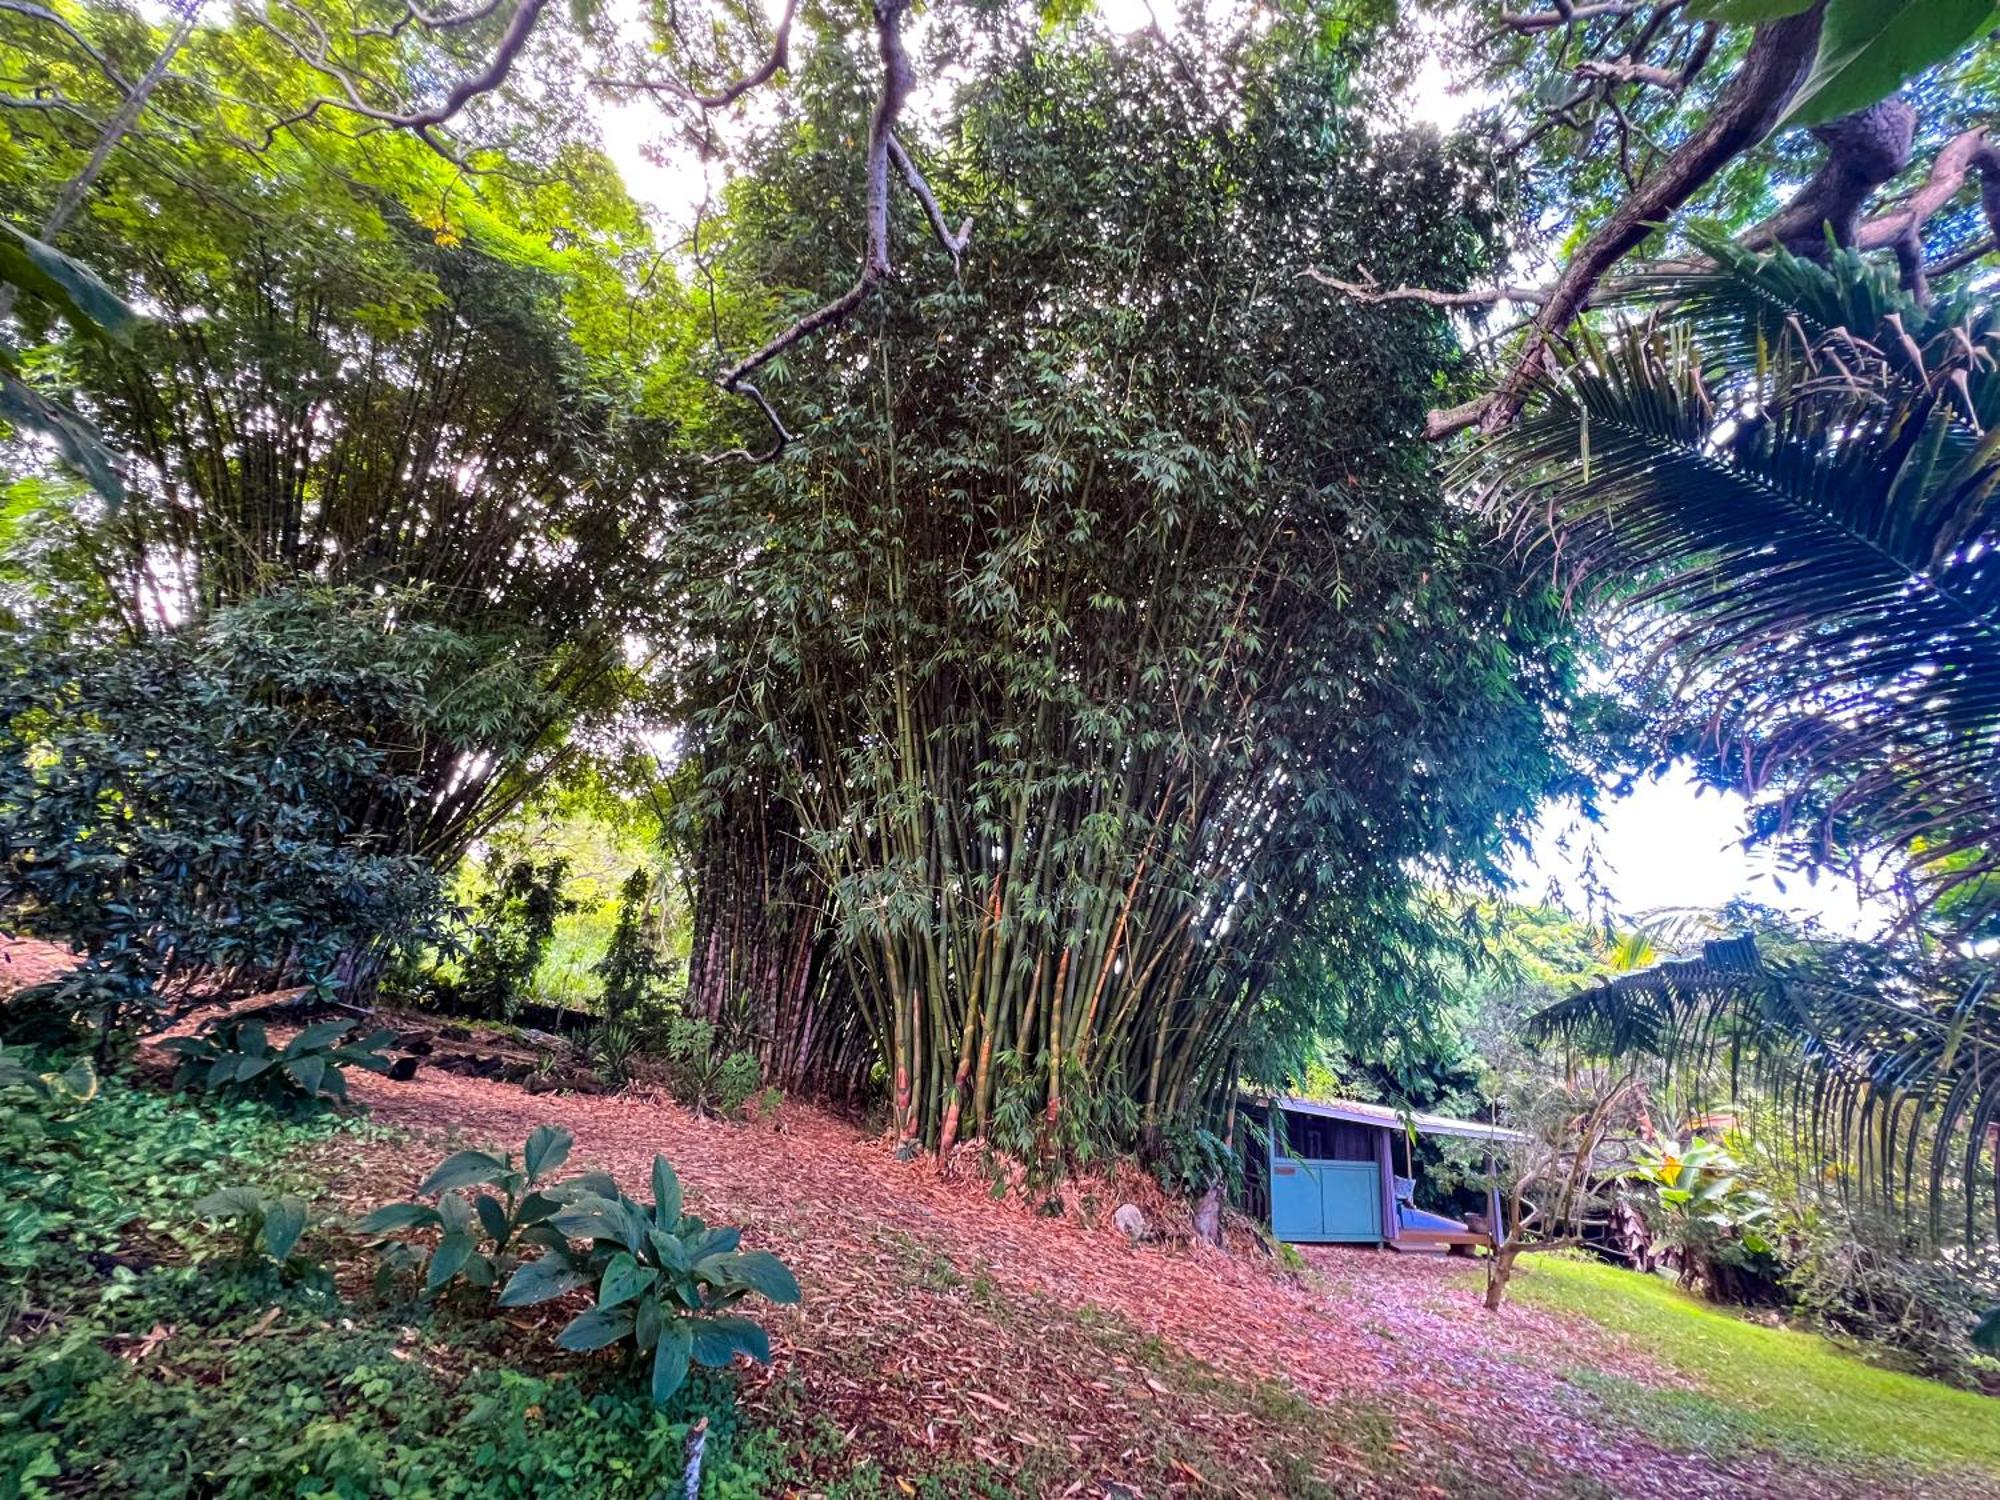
pixel 1673 845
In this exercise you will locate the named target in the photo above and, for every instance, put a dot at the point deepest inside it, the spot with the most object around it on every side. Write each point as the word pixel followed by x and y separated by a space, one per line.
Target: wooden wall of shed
pixel 1316 1138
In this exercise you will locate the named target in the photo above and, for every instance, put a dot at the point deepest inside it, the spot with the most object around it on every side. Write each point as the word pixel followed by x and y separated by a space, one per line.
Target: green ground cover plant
pixel 1753 1385
pixel 158 1340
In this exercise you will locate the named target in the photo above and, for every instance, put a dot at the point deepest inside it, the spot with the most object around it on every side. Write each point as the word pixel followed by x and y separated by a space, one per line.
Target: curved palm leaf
pixel 1890 1069
pixel 1786 482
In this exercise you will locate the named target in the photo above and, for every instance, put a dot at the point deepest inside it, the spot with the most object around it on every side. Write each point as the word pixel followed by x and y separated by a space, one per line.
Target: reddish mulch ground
pixel 939 1325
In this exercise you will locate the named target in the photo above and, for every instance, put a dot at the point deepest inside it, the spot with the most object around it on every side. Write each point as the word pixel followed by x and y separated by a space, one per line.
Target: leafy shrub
pixel 264 1223
pixel 664 1282
pixel 465 1225
pixel 20 1069
pixel 1709 1221
pixel 701 1075
pixel 632 970
pixel 1190 1160
pixel 333 1406
pixel 1856 1276
pixel 78 1166
pixel 215 800
pixel 609 1050
pixel 513 919
pixel 237 1058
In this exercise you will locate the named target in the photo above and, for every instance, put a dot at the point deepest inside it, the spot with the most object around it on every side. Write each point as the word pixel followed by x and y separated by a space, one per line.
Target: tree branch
pixel 1750 104
pixel 1569 15
pixel 1966 152
pixel 1372 291
pixel 1670 79
pixel 423 122
pixel 49 18
pixel 954 244
pixel 778 59
pixel 875 261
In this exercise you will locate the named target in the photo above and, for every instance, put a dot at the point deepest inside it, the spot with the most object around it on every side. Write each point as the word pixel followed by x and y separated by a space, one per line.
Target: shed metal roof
pixel 1357 1112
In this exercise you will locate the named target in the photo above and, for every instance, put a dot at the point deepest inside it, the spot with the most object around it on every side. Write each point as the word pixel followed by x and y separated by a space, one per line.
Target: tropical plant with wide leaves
pixel 1784 481
pixel 238 1058
pixel 74 292
pixel 478 1236
pixel 1883 1062
pixel 665 1281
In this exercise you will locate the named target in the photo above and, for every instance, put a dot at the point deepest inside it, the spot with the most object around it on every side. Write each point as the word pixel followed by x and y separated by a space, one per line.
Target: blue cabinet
pixel 1326 1202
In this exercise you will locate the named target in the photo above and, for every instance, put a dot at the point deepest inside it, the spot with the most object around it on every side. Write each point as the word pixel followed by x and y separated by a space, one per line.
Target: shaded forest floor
pixel 953 1344
pixel 944 1333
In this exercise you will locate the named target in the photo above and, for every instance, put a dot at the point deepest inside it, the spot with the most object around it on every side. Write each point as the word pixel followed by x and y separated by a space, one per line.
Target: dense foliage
pixel 277 1382
pixel 1110 642
pixel 237 1059
pixel 1782 480
pixel 360 367
pixel 217 802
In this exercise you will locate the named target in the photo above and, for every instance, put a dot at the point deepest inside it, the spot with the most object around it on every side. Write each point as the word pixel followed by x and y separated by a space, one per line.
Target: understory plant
pixel 1857 1274
pixel 513 921
pixel 264 1223
pixel 214 804
pixel 1712 1222
pixel 237 1058
pixel 477 1237
pixel 703 1076
pixel 664 1282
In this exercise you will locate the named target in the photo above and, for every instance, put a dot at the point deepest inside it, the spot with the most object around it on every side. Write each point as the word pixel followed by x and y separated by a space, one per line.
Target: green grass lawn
pixel 1752 1386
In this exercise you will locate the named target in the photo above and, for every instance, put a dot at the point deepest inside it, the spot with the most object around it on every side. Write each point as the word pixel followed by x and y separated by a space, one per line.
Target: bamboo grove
pixel 1094 697
pixel 1111 650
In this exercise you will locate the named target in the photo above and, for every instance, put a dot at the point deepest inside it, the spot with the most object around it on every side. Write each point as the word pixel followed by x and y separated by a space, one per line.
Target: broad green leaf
pixel 463 1169
pixel 717 1241
pixel 309 1073
pixel 492 1217
pixel 624 1279
pixel 284 1222
pixel 588 1185
pixel 1869 48
pixel 536 1208
pixel 666 1195
pixel 647 1322
pixel 669 1251
pixel 596 1329
pixel 455 1214
pixel 71 287
pixel 316 1037
pixel 589 1218
pixel 1745 12
pixel 719 1340
pixel 452 1252
pixel 548 1148
pixel 670 1360
pixel 391 1217
pixel 541 1280
pixel 759 1270
pixel 227 1203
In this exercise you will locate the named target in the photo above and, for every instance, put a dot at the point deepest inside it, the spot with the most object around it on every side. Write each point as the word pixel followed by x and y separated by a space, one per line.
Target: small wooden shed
pixel 1328 1175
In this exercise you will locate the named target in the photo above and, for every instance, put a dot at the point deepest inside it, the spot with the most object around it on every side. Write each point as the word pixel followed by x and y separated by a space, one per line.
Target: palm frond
pixel 1785 484
pixel 1887 1067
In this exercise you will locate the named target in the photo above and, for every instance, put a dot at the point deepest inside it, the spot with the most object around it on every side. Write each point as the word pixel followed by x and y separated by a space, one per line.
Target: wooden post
pixel 1385 1163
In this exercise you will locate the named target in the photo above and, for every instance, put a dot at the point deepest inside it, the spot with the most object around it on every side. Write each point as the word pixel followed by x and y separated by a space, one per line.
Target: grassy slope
pixel 1756 1386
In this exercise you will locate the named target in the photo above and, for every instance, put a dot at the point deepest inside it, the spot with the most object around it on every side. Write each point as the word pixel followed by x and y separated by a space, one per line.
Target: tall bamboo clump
pixel 1110 641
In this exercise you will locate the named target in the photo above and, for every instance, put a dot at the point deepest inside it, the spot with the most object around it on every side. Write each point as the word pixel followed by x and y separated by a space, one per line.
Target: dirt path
pixel 901 1338
pixel 939 1324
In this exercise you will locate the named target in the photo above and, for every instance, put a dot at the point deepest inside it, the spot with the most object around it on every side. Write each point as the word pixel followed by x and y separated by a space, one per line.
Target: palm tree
pixel 1783 479
pixel 1887 1066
